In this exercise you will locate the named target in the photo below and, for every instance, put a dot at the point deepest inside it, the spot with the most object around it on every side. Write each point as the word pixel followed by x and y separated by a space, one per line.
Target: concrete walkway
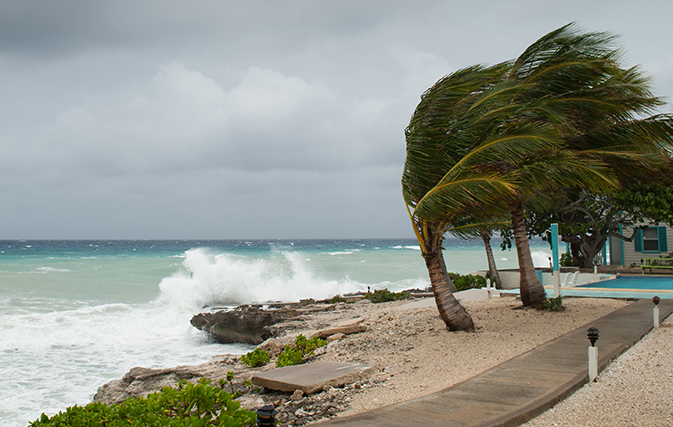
pixel 523 387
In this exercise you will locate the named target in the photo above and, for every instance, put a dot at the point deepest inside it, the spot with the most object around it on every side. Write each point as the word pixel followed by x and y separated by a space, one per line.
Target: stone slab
pixel 312 377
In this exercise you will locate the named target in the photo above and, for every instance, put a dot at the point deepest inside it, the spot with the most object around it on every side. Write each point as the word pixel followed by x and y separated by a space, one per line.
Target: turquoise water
pixel 634 282
pixel 76 314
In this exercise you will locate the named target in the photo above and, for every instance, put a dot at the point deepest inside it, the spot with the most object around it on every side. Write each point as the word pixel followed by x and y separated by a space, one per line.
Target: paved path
pixel 523 387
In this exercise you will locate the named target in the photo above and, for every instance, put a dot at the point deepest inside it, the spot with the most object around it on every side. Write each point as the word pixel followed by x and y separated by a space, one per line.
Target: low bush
pixel 337 299
pixel 554 304
pixel 187 405
pixel 467 281
pixel 566 259
pixel 384 295
pixel 294 355
pixel 230 380
pixel 289 356
pixel 256 358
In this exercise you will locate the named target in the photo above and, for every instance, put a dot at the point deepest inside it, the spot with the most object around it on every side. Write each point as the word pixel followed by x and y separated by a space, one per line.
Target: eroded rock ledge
pixel 272 329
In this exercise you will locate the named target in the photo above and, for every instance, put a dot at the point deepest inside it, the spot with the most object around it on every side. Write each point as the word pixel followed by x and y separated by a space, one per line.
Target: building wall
pixel 634 251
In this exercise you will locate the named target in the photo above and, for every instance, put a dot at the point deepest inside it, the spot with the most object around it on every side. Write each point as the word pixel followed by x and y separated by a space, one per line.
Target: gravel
pixel 634 390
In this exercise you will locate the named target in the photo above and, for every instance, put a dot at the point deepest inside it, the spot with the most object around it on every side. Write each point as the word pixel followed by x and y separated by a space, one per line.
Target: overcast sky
pixel 247 119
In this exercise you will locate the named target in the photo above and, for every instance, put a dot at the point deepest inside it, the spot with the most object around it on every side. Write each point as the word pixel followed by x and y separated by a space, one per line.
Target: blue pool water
pixel 641 287
pixel 634 282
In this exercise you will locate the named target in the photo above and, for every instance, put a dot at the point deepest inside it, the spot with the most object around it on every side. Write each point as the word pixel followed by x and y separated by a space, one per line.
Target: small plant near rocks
pixel 302 347
pixel 553 304
pixel 230 380
pixel 255 358
pixel 187 405
pixel 384 295
pixel 337 299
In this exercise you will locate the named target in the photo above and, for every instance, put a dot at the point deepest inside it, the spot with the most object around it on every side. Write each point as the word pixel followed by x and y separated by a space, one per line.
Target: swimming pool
pixel 622 287
pixel 634 282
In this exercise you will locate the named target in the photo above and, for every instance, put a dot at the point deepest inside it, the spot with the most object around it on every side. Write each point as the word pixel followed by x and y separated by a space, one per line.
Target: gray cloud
pixel 210 119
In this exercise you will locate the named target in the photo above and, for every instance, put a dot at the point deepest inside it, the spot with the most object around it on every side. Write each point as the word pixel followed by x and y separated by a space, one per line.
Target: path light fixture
pixel 655 311
pixel 265 416
pixel 592 334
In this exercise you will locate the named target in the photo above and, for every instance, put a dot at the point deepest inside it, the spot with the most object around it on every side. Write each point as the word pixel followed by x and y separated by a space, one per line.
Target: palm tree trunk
pixel 530 287
pixel 453 314
pixel 492 268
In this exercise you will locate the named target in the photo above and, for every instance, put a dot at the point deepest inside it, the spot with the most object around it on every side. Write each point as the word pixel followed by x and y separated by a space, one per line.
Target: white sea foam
pixel 540 259
pixel 56 357
pixel 51 270
pixel 413 247
pixel 217 279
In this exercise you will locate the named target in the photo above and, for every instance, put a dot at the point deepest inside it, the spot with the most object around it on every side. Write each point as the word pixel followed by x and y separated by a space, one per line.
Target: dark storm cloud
pixel 222 119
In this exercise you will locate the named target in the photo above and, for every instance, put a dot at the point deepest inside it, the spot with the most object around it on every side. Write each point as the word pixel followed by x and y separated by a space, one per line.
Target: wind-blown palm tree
pixel 451 171
pixel 574 82
pixel 488 139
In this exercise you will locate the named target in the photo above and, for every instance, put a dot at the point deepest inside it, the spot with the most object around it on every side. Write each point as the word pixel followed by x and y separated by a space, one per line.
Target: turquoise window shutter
pixel 638 240
pixel 663 244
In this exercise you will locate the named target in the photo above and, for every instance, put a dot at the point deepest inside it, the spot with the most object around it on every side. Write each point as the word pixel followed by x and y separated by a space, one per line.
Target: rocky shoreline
pixel 406 343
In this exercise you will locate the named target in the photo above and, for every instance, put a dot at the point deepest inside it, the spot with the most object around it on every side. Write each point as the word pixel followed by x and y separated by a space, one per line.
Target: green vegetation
pixel 337 299
pixel 384 295
pixel 294 355
pixel 187 405
pixel 230 380
pixel 467 281
pixel 553 304
pixel 494 145
pixel 566 259
pixel 256 358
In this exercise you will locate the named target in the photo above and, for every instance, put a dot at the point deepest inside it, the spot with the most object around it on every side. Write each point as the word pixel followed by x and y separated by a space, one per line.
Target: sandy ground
pixel 418 356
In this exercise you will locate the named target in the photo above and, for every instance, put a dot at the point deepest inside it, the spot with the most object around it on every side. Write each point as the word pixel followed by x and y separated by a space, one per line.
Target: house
pixel 651 242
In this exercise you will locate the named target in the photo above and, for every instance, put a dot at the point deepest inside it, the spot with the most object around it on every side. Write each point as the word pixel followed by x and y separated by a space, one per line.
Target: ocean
pixel 77 314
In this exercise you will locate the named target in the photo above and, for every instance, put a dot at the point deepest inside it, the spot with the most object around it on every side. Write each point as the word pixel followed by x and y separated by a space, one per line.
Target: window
pixel 651 239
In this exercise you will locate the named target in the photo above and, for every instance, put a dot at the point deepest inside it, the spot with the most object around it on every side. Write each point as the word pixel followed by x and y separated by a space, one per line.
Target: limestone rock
pixel 245 324
pixel 336 337
pixel 350 327
pixel 271 347
pixel 143 381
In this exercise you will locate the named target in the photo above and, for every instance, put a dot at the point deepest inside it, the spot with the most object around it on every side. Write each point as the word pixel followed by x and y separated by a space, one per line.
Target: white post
pixel 593 363
pixel 655 316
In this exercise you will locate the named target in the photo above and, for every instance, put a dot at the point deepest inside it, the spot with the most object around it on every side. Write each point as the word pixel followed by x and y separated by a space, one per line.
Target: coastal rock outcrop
pixel 245 324
pixel 141 381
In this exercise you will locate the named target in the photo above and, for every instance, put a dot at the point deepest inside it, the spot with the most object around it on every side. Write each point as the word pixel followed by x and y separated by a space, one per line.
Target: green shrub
pixel 230 380
pixel 467 281
pixel 384 295
pixel 554 304
pixel 337 299
pixel 289 356
pixel 307 346
pixel 256 358
pixel 302 347
pixel 566 259
pixel 186 405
